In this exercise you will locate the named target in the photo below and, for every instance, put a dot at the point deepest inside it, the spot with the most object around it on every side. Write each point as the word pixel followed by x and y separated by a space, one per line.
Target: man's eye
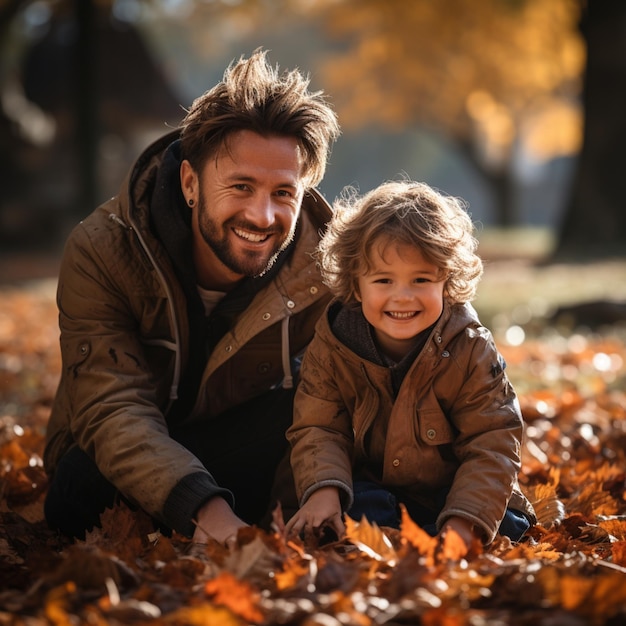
pixel 284 193
pixel 241 186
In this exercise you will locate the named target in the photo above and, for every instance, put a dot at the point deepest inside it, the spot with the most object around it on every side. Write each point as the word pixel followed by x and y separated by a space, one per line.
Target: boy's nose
pixel 403 292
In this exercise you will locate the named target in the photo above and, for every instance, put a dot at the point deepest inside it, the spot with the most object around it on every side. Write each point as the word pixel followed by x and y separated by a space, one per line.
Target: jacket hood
pixel 152 203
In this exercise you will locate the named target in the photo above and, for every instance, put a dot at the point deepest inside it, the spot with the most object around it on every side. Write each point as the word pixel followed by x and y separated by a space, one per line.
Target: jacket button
pixel 290 304
pixel 431 433
pixel 396 462
pixel 266 316
pixel 264 368
pixel 228 348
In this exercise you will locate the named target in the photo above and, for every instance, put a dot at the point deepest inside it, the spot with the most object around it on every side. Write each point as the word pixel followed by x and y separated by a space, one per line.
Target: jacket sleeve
pixel 110 396
pixel 321 434
pixel 488 421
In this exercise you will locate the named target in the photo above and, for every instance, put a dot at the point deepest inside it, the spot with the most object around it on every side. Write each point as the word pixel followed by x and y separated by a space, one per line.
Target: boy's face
pixel 401 295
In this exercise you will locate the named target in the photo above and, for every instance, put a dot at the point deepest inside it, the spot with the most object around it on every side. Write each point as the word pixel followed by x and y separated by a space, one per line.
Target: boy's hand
pixel 464 528
pixel 322 509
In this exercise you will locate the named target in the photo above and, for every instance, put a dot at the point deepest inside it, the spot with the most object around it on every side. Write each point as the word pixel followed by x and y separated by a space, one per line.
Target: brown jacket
pixel 126 345
pixel 455 422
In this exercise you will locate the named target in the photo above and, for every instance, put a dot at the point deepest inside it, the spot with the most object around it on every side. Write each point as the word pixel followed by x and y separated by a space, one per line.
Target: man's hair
pixel 254 96
pixel 403 213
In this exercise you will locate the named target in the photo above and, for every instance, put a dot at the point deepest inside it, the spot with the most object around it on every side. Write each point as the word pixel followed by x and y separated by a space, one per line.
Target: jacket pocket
pixel 434 428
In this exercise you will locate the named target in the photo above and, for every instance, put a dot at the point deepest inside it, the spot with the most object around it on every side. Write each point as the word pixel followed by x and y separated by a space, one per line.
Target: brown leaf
pixel 124 532
pixel 254 560
pixel 89 568
pixel 549 508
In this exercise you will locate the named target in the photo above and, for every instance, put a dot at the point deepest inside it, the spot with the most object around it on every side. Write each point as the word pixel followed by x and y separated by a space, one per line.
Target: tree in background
pixel 595 218
pixel 500 78
pixel 79 86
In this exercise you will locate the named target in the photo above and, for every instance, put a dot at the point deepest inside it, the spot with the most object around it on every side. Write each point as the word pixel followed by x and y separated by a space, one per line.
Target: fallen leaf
pixel 369 538
pixel 417 537
pixel 238 596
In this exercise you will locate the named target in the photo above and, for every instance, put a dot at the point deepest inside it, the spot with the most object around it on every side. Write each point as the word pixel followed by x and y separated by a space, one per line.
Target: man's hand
pixel 216 520
pixel 322 509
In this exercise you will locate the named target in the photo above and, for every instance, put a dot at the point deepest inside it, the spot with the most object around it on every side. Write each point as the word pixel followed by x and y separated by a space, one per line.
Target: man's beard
pixel 247 262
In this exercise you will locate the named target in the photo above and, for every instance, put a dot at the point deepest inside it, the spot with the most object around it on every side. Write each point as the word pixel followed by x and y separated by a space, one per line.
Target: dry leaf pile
pixel 571 569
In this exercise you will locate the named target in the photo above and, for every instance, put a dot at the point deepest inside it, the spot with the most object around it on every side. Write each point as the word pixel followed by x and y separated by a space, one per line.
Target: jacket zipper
pixel 173 395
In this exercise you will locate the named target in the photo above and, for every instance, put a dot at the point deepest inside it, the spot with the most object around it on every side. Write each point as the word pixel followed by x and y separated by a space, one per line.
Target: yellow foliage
pixel 488 71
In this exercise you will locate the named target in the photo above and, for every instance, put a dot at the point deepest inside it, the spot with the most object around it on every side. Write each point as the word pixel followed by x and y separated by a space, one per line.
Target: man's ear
pixel 189 182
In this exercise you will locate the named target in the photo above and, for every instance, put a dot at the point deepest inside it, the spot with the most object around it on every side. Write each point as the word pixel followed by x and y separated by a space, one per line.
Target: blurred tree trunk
pixel 85 81
pixel 499 179
pixel 594 224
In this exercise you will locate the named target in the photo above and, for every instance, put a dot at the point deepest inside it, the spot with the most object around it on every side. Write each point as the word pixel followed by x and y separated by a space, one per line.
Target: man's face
pixel 247 202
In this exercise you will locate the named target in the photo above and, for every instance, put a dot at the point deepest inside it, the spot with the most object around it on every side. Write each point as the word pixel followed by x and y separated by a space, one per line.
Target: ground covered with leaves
pixel 570 570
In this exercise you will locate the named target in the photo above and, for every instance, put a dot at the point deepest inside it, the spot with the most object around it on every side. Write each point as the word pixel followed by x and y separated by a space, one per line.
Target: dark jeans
pixel 381 506
pixel 240 448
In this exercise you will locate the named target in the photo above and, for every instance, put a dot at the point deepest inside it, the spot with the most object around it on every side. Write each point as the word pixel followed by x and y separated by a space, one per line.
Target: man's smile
pixel 250 236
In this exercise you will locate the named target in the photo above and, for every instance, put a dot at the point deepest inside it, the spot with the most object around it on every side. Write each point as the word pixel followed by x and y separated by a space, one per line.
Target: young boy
pixel 403 396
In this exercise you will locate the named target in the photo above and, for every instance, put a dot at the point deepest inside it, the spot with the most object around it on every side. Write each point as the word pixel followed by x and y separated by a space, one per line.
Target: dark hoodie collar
pixel 170 216
pixel 349 325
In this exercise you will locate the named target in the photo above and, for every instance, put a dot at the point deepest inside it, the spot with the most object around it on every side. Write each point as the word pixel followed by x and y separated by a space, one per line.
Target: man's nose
pixel 262 211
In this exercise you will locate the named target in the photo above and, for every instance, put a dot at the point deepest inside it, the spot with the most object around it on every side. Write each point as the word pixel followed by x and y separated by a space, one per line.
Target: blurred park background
pixel 517 106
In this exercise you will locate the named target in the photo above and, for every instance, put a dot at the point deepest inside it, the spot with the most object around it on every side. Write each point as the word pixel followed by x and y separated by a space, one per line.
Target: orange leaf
pixel 442 617
pixel 618 553
pixel 453 548
pixel 202 615
pixel 371 540
pixel 598 596
pixel 418 537
pixel 237 595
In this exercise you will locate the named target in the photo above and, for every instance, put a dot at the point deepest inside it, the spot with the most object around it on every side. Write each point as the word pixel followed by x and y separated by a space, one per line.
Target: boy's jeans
pixel 379 505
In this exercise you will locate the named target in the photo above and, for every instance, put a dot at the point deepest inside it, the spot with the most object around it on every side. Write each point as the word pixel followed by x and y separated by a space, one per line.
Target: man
pixel 185 302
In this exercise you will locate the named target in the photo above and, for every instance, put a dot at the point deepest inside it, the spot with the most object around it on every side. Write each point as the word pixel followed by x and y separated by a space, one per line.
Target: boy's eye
pixel 422 280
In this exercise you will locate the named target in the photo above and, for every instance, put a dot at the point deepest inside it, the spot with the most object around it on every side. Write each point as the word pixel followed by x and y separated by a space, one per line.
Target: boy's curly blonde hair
pixel 400 213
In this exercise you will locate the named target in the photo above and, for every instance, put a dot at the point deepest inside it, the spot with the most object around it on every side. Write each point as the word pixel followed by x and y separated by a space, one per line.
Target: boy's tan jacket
pixel 455 422
pixel 125 343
